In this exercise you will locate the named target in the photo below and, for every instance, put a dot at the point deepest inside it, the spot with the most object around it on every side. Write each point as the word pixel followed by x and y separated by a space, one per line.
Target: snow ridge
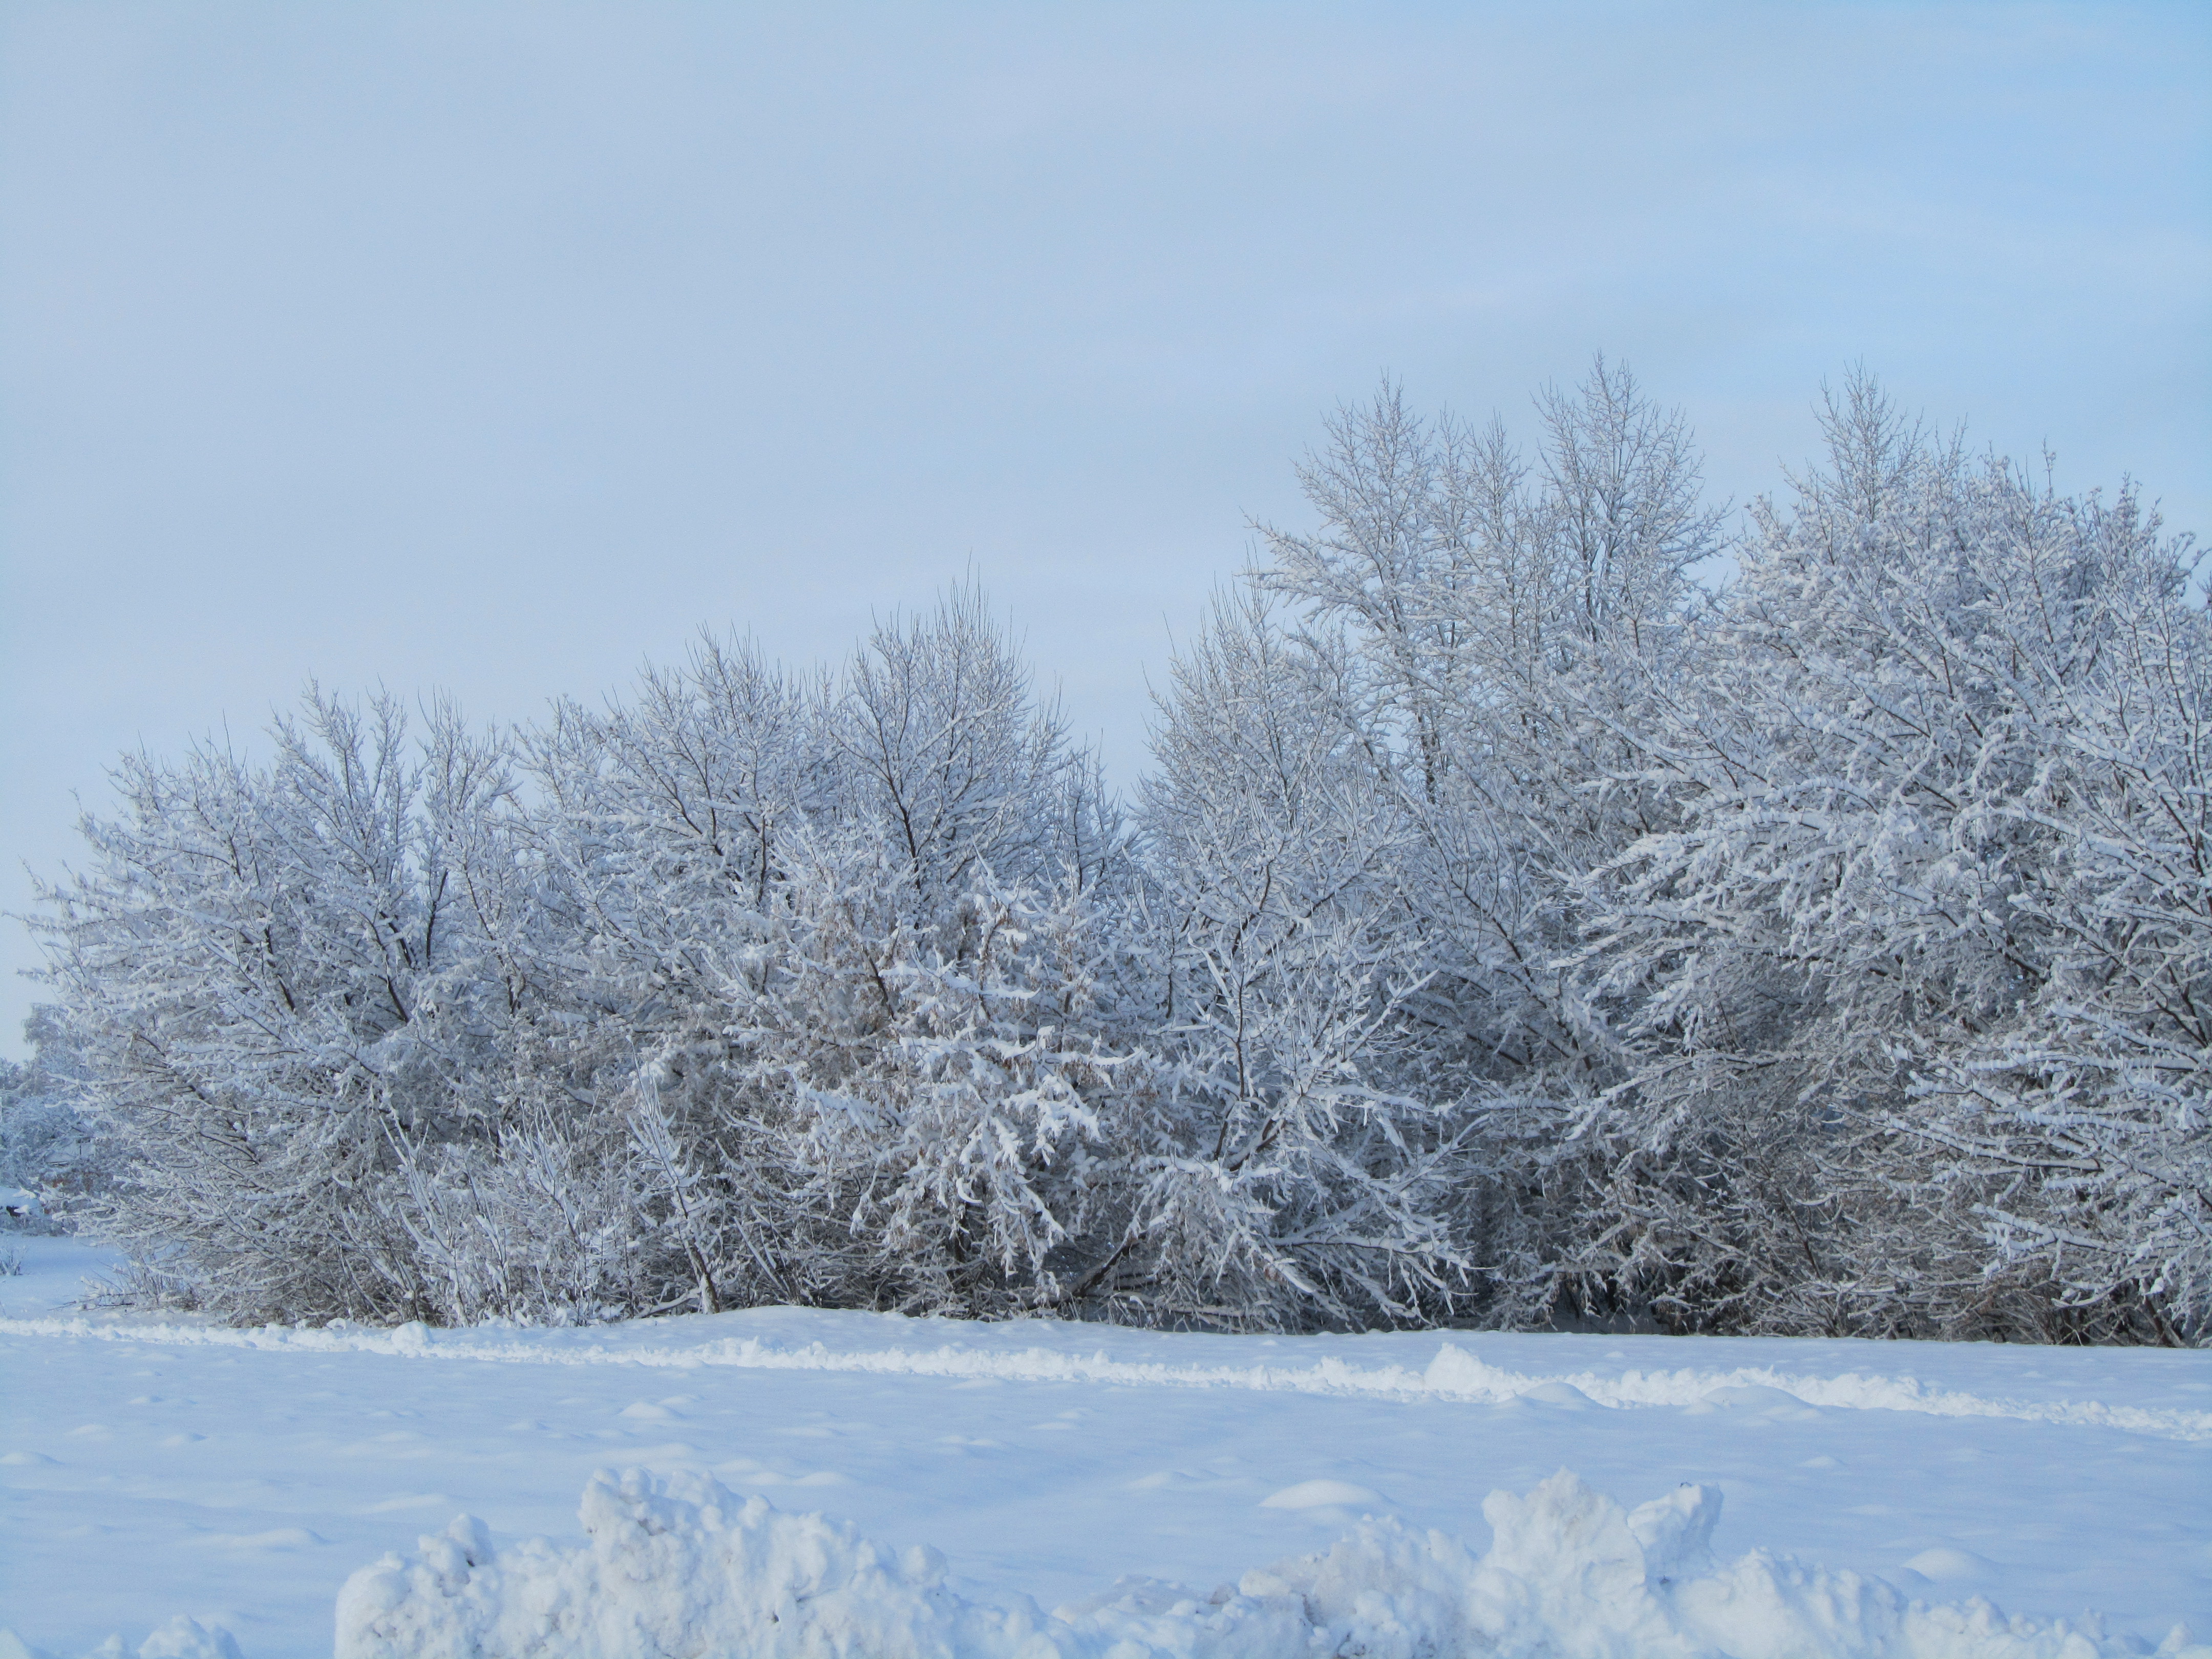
pixel 1455 1372
pixel 682 1565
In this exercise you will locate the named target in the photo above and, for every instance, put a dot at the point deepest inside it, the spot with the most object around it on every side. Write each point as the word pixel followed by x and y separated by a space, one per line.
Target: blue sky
pixel 497 347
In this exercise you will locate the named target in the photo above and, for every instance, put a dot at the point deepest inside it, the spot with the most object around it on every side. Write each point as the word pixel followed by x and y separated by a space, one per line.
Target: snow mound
pixel 675 1565
pixel 181 1638
pixel 679 1566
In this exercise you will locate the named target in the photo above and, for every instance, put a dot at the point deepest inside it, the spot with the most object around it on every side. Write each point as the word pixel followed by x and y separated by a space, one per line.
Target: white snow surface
pixel 683 1565
pixel 174 1485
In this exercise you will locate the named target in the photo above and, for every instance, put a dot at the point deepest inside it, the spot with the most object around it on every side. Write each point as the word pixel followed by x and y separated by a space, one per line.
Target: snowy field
pixel 154 1469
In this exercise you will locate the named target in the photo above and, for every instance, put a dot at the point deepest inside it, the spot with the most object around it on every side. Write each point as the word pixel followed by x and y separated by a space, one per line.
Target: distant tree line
pixel 1509 930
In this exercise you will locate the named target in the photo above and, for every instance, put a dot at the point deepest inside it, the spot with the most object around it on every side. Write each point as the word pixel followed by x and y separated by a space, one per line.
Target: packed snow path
pixel 158 1468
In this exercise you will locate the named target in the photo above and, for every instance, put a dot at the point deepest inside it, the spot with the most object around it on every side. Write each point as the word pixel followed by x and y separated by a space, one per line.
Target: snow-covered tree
pixel 1509 929
pixel 1878 782
pixel 2087 1117
pixel 1293 1177
pixel 47 1149
pixel 1503 621
pixel 288 984
pixel 832 942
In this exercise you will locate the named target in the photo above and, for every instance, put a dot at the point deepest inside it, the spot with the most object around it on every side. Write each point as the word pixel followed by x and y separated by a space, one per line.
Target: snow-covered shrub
pixel 769 992
pixel 1504 617
pixel 836 953
pixel 1892 973
pixel 1292 1174
pixel 286 982
pixel 1819 957
pixel 49 1154
pixel 2088 1114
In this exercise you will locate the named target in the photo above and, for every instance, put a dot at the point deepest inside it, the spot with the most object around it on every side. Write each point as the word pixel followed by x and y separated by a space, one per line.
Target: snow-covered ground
pixel 156 1468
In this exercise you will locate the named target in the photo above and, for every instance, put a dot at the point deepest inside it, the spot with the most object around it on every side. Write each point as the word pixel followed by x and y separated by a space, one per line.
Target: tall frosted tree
pixel 1296 1173
pixel 1889 805
pixel 1504 618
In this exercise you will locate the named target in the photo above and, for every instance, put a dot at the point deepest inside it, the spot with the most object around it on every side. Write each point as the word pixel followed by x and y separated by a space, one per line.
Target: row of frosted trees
pixel 1507 930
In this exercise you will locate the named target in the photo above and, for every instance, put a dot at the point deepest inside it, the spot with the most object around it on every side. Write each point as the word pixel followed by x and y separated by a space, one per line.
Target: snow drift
pixel 1047 1351
pixel 682 1566
pixel 181 1638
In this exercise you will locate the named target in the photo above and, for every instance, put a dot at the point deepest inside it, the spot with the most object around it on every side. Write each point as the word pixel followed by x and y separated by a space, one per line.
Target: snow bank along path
pixel 683 1567
pixel 1456 1371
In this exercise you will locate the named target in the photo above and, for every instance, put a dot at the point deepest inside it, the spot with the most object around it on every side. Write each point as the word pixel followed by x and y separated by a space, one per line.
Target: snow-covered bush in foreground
pixel 682 1566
